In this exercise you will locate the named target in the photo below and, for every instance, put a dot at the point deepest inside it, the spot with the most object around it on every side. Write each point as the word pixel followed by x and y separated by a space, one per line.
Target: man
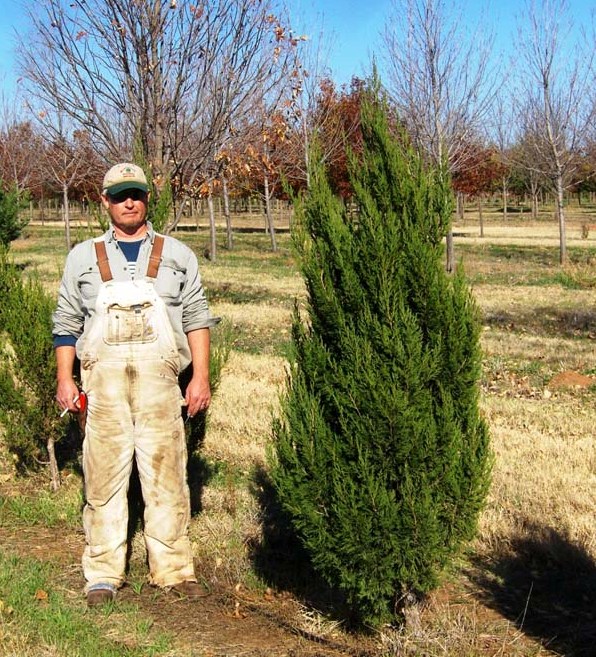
pixel 132 308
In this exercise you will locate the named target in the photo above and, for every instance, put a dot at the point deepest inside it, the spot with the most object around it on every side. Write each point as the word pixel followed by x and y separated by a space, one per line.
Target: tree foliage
pixel 11 225
pixel 381 456
pixel 27 368
pixel 483 174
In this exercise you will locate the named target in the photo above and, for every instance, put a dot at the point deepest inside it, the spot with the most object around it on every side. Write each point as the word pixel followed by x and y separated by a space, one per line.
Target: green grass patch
pixel 499 264
pixel 40 611
pixel 567 280
pixel 530 255
pixel 44 508
pixel 225 475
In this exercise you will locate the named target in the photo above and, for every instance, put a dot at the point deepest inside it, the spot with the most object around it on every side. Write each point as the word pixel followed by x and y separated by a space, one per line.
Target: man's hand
pixel 198 395
pixel 66 393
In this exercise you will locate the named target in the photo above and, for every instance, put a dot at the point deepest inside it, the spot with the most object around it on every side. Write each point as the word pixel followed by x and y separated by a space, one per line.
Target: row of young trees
pixel 256 161
pixel 46 169
pixel 223 98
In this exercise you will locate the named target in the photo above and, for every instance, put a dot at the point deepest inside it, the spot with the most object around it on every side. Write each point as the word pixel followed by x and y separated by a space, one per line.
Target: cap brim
pixel 120 187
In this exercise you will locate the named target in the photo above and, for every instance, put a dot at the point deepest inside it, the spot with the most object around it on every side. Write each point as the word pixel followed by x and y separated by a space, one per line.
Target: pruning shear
pixel 81 402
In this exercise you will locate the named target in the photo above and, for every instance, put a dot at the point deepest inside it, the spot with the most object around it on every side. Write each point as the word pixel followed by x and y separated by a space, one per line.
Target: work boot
pixel 99 594
pixel 189 589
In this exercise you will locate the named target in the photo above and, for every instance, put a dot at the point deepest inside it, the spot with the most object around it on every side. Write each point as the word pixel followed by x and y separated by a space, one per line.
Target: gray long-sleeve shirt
pixel 178 283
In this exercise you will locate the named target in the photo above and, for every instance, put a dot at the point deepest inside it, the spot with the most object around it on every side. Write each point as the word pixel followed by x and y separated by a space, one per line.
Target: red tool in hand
pixel 82 414
pixel 80 401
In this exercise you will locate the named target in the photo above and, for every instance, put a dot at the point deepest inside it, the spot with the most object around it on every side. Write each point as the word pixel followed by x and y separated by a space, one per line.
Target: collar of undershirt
pixel 130 249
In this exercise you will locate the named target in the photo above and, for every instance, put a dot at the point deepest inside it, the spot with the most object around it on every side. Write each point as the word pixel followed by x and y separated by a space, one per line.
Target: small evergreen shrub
pixel 28 411
pixel 160 207
pixel 11 225
pixel 380 455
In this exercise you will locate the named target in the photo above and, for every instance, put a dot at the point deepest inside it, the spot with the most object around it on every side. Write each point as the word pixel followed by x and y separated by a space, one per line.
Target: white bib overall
pixel 129 370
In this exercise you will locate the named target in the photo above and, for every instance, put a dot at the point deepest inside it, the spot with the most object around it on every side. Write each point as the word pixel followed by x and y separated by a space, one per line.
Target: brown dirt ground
pixel 225 623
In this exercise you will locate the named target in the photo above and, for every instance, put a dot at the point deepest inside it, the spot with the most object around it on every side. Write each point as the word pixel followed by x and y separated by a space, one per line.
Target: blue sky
pixel 351 28
pixel 354 26
pixel 12 19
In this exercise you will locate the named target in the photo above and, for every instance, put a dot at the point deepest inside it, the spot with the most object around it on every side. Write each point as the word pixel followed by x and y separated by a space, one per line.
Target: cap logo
pixel 125 176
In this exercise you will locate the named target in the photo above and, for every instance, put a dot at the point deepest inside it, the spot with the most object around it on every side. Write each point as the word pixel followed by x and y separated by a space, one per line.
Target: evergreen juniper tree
pixel 11 225
pixel 381 456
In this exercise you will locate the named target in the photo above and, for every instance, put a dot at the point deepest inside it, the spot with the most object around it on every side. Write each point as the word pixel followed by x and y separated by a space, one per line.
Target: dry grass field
pixel 526 587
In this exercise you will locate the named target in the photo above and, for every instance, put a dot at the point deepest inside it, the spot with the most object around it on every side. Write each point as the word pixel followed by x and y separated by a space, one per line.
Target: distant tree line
pixel 223 99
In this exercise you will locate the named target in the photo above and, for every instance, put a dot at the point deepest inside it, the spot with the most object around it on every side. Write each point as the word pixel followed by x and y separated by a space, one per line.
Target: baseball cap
pixel 124 176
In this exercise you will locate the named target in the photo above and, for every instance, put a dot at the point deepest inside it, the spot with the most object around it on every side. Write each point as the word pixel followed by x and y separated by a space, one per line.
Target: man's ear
pixel 104 200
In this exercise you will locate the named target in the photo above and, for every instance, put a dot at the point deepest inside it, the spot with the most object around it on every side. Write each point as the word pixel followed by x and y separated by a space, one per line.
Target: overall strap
pixel 155 257
pixel 102 261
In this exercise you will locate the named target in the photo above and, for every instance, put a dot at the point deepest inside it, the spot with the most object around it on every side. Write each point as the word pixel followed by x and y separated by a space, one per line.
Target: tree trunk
pixel 169 227
pixel 226 205
pixel 505 199
pixel 480 215
pixel 450 264
pixel 268 215
pixel 561 218
pixel 54 471
pixel 66 214
pixel 212 243
pixel 460 206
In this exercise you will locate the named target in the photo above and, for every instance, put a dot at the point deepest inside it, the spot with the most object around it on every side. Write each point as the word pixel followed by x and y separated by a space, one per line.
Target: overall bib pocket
pixel 132 324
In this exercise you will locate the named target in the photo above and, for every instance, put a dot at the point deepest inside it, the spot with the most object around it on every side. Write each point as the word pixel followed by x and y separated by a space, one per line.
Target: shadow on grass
pixel 548 321
pixel 546 585
pixel 283 564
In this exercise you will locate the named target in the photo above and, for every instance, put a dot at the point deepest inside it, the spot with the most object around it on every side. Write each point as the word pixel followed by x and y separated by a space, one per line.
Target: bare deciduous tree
pixel 144 78
pixel 558 102
pixel 440 80
pixel 501 135
pixel 68 160
pixel 313 113
pixel 19 146
pixel 438 77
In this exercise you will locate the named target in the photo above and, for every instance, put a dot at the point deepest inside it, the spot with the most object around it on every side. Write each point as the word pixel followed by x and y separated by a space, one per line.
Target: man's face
pixel 128 210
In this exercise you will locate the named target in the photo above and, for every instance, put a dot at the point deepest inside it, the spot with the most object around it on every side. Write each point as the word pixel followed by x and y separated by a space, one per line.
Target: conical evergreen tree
pixel 381 456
